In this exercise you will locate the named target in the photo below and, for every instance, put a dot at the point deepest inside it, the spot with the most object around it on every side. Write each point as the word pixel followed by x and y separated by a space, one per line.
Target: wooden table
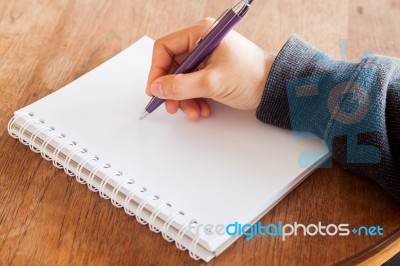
pixel 48 218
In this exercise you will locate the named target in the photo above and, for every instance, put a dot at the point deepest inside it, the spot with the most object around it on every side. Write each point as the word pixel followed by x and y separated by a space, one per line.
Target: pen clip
pixel 212 26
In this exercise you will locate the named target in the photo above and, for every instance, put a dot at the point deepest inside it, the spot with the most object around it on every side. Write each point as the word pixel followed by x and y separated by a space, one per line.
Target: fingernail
pixel 156 89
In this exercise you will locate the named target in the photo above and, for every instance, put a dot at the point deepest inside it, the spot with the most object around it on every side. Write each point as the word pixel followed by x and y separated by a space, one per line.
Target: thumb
pixel 181 86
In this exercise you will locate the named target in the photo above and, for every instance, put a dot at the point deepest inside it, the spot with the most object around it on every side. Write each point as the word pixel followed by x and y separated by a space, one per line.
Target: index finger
pixel 172 45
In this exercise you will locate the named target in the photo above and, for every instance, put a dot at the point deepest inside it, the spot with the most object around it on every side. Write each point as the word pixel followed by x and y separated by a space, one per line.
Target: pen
pixel 206 44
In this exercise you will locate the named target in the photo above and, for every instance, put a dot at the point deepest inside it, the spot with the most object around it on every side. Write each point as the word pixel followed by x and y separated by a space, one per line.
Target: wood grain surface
pixel 47 218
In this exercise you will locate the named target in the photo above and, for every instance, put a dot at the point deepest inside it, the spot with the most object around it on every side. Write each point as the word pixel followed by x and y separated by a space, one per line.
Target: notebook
pixel 169 173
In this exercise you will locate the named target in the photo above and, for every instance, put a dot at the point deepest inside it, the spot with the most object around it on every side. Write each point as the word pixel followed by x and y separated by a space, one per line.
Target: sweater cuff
pixel 295 60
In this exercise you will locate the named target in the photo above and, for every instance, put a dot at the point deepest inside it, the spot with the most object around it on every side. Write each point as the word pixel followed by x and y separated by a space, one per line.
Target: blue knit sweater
pixel 353 107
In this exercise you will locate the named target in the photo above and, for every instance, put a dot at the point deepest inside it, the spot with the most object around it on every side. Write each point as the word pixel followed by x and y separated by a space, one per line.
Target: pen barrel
pixel 154 104
pixel 205 48
pixel 209 43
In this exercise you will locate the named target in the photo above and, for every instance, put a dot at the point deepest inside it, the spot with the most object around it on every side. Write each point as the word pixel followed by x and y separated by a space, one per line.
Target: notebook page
pixel 217 170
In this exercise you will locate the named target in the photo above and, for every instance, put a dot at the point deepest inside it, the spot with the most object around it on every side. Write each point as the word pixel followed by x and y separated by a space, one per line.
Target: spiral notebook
pixel 171 174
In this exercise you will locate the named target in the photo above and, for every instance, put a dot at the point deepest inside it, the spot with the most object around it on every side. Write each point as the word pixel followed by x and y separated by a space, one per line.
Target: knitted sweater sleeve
pixel 353 107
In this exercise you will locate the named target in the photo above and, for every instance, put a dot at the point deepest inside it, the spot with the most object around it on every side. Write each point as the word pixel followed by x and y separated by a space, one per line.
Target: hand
pixel 234 74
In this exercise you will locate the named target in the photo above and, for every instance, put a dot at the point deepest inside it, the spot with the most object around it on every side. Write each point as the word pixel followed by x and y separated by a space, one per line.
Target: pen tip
pixel 145 113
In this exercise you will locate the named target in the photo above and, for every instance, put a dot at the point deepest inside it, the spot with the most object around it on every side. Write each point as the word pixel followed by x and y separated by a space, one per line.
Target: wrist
pixel 268 62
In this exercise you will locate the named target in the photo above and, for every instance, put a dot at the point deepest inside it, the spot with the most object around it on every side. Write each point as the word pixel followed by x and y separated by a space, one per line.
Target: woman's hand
pixel 234 74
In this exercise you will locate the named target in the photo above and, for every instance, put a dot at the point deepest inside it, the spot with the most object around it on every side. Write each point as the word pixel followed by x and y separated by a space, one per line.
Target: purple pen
pixel 206 45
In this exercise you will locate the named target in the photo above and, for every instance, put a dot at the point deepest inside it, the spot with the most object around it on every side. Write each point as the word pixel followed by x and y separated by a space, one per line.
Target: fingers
pixel 171 106
pixel 205 109
pixel 180 90
pixel 193 108
pixel 185 86
pixel 173 45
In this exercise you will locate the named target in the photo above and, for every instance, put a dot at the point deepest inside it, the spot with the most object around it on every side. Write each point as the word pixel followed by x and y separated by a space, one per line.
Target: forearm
pixel 355 108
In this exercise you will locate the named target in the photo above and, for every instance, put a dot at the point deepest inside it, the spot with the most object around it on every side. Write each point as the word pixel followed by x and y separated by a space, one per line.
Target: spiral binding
pixel 65 144
pixel 130 196
pixel 117 188
pixel 57 151
pixel 155 214
pixel 34 135
pixel 69 158
pixel 81 165
pixel 104 182
pixel 168 223
pixel 141 207
pixel 93 173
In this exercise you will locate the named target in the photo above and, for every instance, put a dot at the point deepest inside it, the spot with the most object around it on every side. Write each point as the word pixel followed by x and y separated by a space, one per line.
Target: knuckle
pixel 174 87
pixel 210 81
pixel 159 45
pixel 206 81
